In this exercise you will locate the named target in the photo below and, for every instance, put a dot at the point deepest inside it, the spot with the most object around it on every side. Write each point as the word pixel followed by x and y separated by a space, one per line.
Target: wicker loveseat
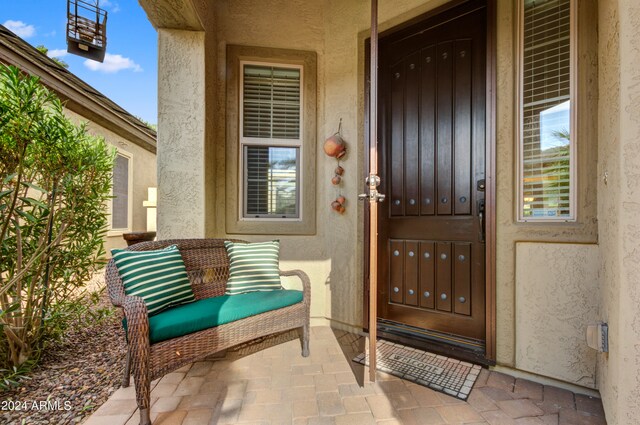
pixel 207 266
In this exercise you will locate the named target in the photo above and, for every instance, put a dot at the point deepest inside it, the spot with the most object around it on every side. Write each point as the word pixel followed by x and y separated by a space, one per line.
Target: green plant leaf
pixel 8 178
pixel 12 307
pixel 33 186
pixel 27 216
pixel 33 202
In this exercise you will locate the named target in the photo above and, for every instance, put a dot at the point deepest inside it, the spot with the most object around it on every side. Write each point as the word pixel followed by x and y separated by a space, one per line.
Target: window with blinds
pixel 546 142
pixel 271 182
pixel 271 102
pixel 120 189
pixel 270 140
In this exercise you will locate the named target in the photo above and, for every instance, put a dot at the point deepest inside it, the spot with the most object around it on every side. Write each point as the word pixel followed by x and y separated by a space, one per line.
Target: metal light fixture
pixel 86 29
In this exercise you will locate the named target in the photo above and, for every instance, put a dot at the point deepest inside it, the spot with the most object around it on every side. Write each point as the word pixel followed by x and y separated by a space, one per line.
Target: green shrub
pixel 55 182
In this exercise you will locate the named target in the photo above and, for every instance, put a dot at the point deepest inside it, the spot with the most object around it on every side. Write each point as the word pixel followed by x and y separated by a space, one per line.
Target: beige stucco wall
pixel 333 257
pixel 336 30
pixel 509 231
pixel 235 26
pixel 556 296
pixel 181 142
pixel 619 207
pixel 144 176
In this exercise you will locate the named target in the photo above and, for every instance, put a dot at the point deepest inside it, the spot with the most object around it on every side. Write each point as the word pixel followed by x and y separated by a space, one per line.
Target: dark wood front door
pixel 432 165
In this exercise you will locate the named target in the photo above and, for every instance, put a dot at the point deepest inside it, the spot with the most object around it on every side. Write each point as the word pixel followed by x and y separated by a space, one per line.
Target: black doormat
pixel 450 376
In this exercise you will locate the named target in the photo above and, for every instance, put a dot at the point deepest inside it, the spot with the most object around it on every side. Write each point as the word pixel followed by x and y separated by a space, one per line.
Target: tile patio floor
pixel 269 382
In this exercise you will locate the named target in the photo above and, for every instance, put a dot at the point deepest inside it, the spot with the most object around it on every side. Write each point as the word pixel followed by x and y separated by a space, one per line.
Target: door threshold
pixel 466 349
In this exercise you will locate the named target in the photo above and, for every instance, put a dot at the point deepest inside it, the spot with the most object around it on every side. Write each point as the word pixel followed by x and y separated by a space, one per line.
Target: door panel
pixel 411 273
pixel 443 276
pixel 396 275
pixel 444 126
pixel 462 274
pixel 427 130
pixel 427 275
pixel 462 130
pixel 411 133
pixel 432 137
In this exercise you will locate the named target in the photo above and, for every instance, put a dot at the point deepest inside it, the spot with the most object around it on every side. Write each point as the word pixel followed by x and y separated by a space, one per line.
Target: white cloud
pixel 57 53
pixel 112 64
pixel 113 7
pixel 20 28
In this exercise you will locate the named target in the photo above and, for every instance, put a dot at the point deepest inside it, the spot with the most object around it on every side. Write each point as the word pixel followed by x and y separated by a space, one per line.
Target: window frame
pixel 573 118
pixel 119 231
pixel 306 224
pixel 270 142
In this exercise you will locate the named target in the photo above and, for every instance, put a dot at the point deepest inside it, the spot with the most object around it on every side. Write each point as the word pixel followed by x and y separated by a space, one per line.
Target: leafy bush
pixel 55 181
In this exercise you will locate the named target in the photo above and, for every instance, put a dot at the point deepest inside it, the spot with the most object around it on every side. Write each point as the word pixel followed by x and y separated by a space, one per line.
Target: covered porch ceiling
pixel 175 14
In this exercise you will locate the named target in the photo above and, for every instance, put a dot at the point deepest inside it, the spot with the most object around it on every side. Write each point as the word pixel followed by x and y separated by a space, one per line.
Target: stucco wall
pixel 336 31
pixel 144 176
pixel 556 297
pixel 181 134
pixel 509 231
pixel 619 207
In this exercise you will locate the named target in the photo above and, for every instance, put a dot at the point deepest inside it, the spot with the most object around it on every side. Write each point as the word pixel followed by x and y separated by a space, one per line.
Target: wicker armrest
pixel 306 282
pixel 118 301
pixel 135 311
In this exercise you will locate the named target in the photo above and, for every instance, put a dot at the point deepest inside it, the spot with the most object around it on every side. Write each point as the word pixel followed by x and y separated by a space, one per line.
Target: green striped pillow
pixel 158 277
pixel 253 267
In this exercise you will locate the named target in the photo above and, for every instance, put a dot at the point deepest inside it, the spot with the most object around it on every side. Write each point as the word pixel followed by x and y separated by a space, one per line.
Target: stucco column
pixel 619 206
pixel 181 134
pixel 629 211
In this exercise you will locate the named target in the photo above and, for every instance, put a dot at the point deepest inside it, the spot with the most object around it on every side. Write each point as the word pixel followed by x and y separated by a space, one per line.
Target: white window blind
pixel 120 201
pixel 546 159
pixel 270 141
pixel 271 102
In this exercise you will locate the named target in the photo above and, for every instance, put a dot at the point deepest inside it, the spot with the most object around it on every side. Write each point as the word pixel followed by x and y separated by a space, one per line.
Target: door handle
pixel 481 219
pixel 378 197
pixel 373 181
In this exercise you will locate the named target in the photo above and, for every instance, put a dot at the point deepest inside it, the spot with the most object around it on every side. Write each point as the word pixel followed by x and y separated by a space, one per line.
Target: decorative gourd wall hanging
pixel 336 147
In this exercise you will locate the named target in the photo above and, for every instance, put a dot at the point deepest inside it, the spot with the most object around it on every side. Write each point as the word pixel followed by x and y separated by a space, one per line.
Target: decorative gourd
pixel 335 146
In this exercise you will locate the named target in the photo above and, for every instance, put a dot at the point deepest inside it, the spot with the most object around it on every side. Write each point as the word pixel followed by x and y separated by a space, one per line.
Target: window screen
pixel 120 201
pixel 546 111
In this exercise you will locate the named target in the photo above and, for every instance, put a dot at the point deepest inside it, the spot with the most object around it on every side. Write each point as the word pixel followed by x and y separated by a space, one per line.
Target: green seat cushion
pixel 159 277
pixel 253 267
pixel 209 312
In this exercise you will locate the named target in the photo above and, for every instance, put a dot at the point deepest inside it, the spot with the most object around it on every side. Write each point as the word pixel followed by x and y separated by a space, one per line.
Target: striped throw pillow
pixel 158 277
pixel 253 267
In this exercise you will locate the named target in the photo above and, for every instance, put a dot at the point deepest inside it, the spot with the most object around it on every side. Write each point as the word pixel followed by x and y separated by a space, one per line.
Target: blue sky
pixel 129 73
